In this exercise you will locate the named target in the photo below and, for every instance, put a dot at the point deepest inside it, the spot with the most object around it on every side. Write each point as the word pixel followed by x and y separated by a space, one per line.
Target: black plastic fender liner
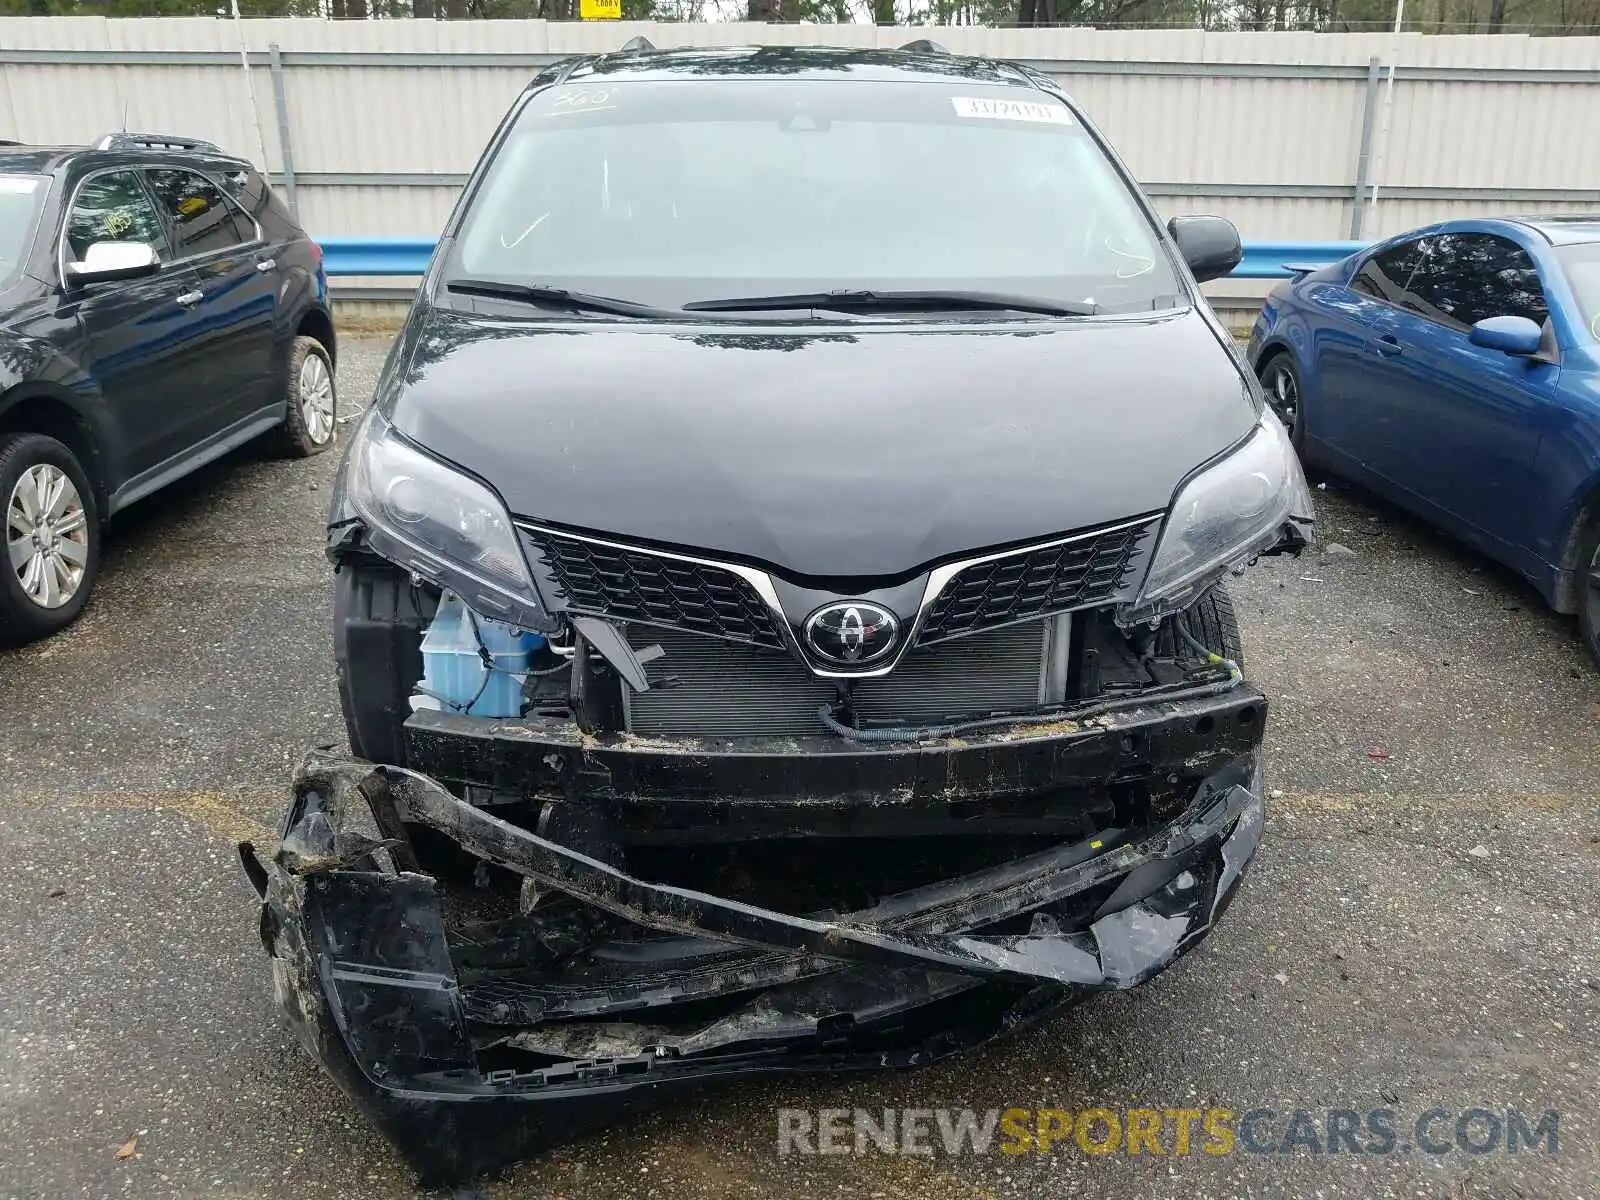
pixel 448 1119
pixel 381 945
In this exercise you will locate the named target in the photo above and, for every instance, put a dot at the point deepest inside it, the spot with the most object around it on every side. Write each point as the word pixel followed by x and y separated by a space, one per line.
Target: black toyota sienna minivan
pixel 779 612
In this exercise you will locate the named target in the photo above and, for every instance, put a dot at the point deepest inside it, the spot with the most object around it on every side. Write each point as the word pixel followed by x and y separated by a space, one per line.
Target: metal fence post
pixel 280 101
pixel 1369 114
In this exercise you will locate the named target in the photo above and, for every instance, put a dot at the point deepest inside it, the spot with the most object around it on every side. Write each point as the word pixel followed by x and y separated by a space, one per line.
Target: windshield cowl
pixel 504 299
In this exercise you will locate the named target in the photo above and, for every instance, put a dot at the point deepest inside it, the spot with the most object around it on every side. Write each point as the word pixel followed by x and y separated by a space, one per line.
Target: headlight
pixel 1224 515
pixel 442 524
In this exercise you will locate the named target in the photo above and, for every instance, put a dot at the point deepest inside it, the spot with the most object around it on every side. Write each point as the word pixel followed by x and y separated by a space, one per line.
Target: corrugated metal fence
pixel 372 126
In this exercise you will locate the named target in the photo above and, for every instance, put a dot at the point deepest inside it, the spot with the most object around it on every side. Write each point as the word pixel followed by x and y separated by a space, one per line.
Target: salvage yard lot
pixel 1422 927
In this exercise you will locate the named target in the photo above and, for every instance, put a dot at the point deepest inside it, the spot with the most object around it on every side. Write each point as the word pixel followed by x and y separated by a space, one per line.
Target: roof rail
pixel 154 141
pixel 924 46
pixel 636 44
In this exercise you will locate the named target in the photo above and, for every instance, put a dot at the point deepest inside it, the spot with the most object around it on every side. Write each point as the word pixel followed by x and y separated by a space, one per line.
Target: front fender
pixel 1280 326
pixel 34 374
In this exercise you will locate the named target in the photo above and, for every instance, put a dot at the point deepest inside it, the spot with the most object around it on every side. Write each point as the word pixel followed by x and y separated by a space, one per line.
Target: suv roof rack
pixel 923 46
pixel 153 141
pixel 635 44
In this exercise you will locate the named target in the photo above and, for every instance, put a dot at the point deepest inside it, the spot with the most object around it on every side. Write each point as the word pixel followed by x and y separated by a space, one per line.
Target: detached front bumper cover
pixel 410 1016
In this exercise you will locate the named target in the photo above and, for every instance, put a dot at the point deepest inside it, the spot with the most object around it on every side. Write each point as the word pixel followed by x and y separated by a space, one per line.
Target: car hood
pixel 868 449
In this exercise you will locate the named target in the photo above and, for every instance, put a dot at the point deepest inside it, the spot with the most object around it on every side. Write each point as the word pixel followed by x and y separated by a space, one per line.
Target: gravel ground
pixel 1420 929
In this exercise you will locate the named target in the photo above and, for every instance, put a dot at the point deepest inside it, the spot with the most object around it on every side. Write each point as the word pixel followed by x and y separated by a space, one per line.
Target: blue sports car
pixel 1456 370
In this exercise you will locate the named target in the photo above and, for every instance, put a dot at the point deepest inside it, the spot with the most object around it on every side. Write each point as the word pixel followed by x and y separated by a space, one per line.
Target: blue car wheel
pixel 1589 594
pixel 1281 383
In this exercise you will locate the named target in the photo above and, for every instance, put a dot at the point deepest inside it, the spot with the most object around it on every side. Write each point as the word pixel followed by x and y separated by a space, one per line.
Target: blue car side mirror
pixel 1510 335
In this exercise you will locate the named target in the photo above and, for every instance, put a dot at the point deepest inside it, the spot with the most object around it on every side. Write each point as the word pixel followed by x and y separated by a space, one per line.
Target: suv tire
pixel 311 422
pixel 1212 622
pixel 31 604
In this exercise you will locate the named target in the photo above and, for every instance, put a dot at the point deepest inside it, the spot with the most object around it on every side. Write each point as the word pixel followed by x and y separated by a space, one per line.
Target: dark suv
pixel 158 307
pixel 779 601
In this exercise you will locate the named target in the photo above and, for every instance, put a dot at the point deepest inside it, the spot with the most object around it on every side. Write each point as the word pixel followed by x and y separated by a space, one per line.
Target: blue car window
pixel 1465 278
pixel 1582 264
pixel 1387 274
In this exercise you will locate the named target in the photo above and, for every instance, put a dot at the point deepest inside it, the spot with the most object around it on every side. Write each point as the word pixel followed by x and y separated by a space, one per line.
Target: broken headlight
pixel 1244 505
pixel 445 526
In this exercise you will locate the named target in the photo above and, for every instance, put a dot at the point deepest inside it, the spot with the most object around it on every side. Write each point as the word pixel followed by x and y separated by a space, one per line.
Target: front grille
pixel 1032 583
pixel 628 585
pixel 704 687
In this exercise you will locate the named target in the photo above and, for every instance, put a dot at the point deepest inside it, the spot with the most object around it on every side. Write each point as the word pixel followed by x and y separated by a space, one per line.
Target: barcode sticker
pixel 1011 110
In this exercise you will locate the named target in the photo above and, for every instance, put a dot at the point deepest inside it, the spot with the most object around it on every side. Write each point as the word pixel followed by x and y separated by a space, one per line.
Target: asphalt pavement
pixel 1420 930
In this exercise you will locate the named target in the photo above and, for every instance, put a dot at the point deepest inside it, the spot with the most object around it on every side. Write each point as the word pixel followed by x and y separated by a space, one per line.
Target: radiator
pixel 709 687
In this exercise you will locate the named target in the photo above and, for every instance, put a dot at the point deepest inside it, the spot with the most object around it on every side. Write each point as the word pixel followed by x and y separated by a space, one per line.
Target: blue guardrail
pixel 409 256
pixel 1265 260
pixel 376 256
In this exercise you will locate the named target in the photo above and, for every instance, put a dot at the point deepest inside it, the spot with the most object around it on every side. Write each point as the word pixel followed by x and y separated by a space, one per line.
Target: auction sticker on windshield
pixel 1011 110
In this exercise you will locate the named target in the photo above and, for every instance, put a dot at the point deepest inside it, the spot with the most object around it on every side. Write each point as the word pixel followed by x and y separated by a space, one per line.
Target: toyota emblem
pixel 851 633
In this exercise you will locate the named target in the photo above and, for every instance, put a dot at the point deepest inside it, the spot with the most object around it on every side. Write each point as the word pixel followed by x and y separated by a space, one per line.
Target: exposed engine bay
pixel 622 860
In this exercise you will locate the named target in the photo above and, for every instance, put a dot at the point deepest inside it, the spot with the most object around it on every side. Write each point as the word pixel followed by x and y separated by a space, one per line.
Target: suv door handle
pixel 266 264
pixel 189 299
pixel 1389 346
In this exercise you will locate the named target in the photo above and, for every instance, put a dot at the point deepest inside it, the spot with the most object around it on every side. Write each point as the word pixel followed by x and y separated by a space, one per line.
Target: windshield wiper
pixel 858 300
pixel 555 297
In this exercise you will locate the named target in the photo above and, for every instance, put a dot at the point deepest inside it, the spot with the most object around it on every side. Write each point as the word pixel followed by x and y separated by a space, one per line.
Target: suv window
pixel 200 216
pixel 1468 277
pixel 113 207
pixel 668 191
pixel 249 190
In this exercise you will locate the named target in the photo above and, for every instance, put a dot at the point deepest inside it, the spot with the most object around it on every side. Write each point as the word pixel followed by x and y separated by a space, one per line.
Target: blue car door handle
pixel 1388 345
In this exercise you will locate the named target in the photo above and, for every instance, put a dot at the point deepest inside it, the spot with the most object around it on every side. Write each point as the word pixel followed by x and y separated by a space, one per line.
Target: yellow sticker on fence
pixel 600 10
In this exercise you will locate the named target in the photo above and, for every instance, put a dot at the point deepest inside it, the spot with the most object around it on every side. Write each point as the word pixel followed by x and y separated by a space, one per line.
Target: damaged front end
pixel 475 1030
pixel 666 817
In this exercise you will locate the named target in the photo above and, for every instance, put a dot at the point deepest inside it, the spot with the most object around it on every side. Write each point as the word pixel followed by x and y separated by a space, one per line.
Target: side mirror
pixel 1210 245
pixel 107 261
pixel 1517 336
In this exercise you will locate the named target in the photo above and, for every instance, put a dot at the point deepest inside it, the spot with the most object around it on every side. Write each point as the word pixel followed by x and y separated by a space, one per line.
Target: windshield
pixel 20 197
pixel 1582 265
pixel 676 191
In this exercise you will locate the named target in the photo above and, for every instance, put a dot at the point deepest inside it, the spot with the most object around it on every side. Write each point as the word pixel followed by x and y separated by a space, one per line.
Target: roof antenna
pixel 924 46
pixel 636 45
